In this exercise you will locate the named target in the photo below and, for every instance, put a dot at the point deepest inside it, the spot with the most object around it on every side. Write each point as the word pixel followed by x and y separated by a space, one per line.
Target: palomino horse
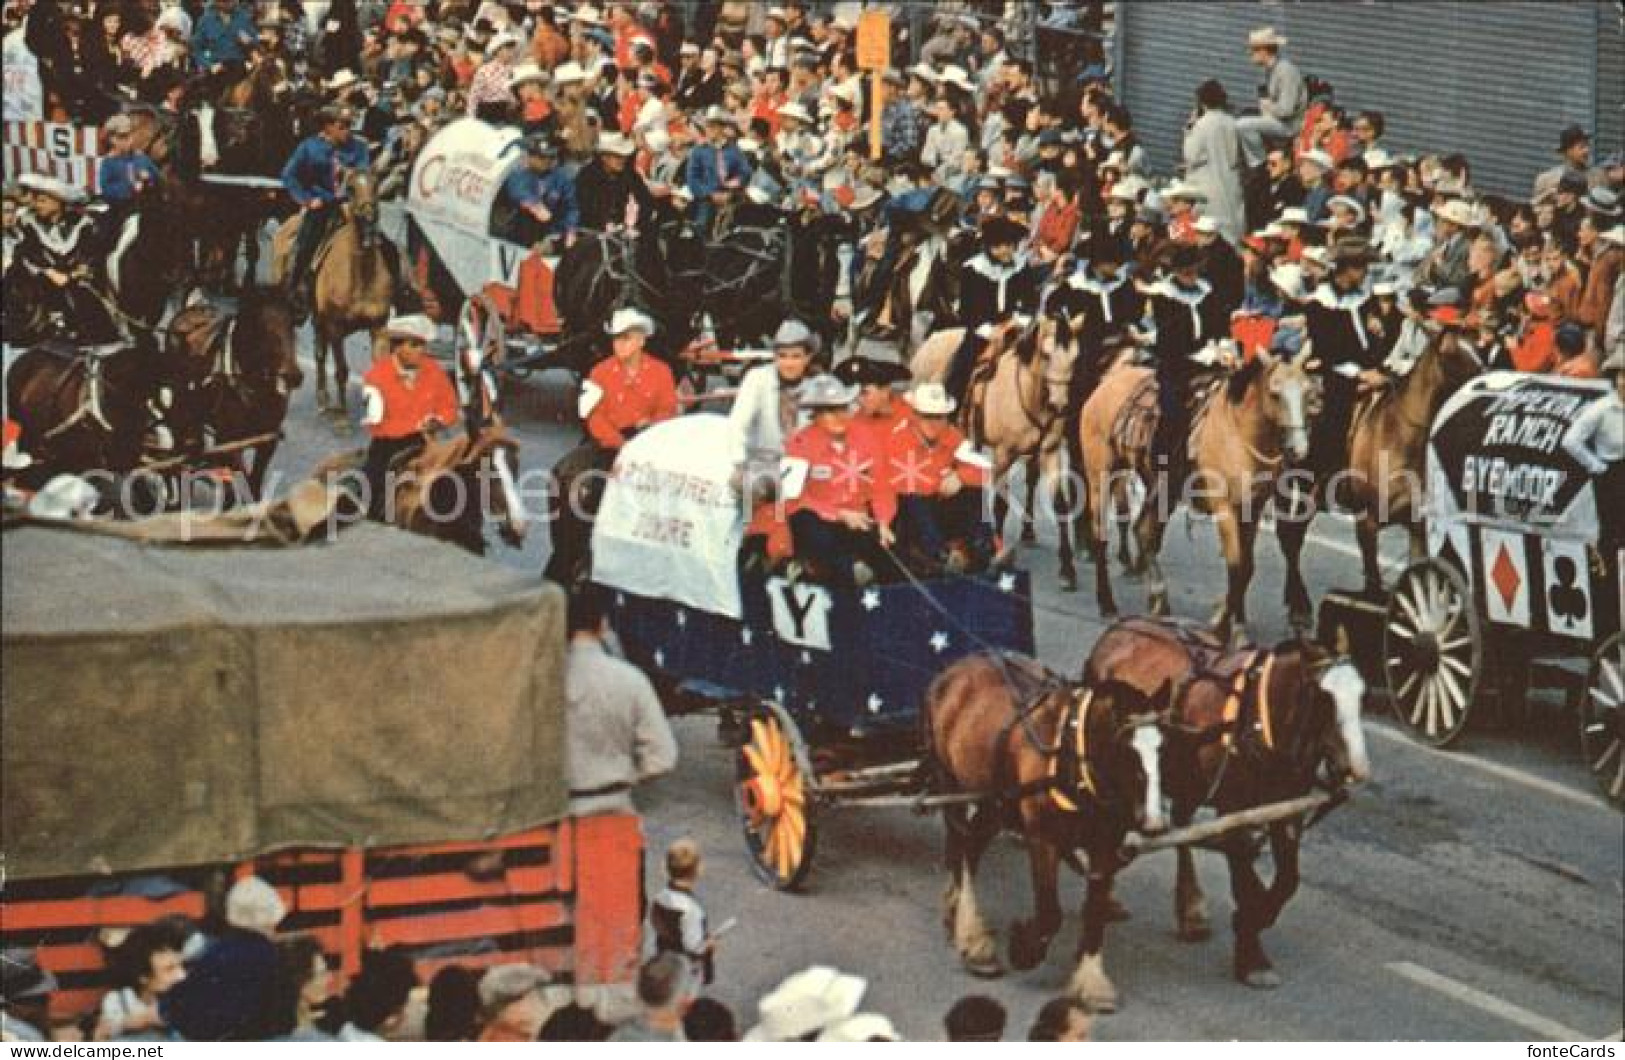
pixel 235 375
pixel 1246 429
pixel 1249 728
pixel 1069 768
pixel 1017 406
pixel 355 286
pixel 1387 443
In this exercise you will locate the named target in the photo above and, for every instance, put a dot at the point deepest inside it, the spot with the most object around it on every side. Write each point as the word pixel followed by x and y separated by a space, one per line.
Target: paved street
pixel 1468 895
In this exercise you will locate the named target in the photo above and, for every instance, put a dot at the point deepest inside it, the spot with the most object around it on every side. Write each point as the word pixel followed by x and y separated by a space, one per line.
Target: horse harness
pixel 1067 772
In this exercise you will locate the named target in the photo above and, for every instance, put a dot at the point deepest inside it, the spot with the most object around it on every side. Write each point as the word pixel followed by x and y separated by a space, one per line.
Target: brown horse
pixel 1018 409
pixel 82 411
pixel 1387 443
pixel 1069 768
pixel 235 374
pixel 1245 430
pixel 1249 728
pixel 355 286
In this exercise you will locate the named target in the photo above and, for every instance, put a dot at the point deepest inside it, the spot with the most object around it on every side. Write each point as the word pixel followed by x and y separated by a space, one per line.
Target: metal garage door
pixel 1496 81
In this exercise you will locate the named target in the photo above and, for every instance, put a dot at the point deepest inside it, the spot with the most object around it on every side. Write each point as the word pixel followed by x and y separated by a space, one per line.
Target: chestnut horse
pixel 82 411
pixel 235 375
pixel 1018 408
pixel 1387 444
pixel 1069 768
pixel 1249 728
pixel 1245 431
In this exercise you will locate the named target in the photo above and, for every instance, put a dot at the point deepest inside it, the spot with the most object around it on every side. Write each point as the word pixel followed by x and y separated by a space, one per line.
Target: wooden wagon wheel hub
pixel 763 798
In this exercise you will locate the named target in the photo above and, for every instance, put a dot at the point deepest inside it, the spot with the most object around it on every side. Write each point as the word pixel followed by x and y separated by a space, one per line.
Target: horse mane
pixel 1240 380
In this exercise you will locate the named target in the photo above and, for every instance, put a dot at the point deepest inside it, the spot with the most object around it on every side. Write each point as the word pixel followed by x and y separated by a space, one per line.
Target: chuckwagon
pixel 1523 567
pixel 820 688
pixel 374 724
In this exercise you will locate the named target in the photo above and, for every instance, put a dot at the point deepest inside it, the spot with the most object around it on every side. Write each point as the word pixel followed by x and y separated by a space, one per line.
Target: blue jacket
pixel 227 993
pixel 703 176
pixel 214 40
pixel 121 177
pixel 313 170
pixel 555 190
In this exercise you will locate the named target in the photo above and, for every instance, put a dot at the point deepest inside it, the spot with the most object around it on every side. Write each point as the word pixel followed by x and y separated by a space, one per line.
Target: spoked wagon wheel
pixel 1433 651
pixel 480 329
pixel 775 798
pixel 1602 718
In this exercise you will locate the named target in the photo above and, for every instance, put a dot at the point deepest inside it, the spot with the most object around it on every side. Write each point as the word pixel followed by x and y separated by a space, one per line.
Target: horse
pixel 1248 425
pixel 920 291
pixel 1017 406
pixel 354 282
pixel 1387 443
pixel 235 374
pixel 604 271
pixel 1069 768
pixel 150 258
pixel 757 276
pixel 1249 728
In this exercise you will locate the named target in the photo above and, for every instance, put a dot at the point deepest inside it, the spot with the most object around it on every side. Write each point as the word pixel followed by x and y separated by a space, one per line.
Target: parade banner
pixel 455 182
pixel 67 152
pixel 671 521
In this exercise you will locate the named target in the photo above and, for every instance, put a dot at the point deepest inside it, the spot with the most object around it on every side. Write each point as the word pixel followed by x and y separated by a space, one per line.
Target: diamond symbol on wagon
pixel 1504 574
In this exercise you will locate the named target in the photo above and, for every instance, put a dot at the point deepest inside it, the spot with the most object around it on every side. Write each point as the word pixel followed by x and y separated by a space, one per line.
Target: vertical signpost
pixel 874 55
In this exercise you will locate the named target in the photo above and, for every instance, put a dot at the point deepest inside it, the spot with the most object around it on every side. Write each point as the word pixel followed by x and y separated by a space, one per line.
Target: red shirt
pixel 1058 225
pixel 408 405
pixel 766 108
pixel 918 467
pixel 875 431
pixel 632 399
pixel 844 476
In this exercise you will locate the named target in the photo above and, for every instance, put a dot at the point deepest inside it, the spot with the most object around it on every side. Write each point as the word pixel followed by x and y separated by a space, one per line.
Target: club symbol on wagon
pixel 1566 599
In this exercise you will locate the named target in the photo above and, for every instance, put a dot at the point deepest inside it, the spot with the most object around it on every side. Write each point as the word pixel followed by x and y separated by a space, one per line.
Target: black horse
pixel 758 275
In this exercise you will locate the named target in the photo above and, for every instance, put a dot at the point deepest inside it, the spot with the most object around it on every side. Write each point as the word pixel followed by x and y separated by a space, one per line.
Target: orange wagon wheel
pixel 776 792
pixel 1602 719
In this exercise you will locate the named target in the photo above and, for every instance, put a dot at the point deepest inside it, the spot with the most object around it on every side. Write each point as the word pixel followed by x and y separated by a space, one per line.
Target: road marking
pixel 1496 769
pixel 1506 1010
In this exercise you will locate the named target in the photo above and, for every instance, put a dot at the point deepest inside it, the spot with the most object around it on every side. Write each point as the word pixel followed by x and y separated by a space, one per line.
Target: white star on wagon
pixel 871 599
pixel 939 642
pixel 875 703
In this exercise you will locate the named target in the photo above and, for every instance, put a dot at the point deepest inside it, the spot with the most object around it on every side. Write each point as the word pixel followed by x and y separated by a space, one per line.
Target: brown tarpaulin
pixel 171 706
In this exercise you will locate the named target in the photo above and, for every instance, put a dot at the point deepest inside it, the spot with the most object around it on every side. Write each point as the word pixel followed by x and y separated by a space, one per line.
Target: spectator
pixel 574 1023
pixel 618 733
pixel 229 992
pixel 1574 150
pixel 806 1004
pixel 709 1020
pixel 375 1003
pixel 976 1018
pixel 1062 1019
pixel 304 990
pixel 1282 99
pixel 676 917
pixel 147 964
pixel 454 1006
pixel 511 1004
pixel 25 996
pixel 663 992
pixel 1214 162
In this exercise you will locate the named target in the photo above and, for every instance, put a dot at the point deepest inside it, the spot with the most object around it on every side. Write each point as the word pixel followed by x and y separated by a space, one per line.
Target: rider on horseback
pixel 124 174
pixel 51 266
pixel 313 178
pixel 1187 318
pixel 994 286
pixel 407 395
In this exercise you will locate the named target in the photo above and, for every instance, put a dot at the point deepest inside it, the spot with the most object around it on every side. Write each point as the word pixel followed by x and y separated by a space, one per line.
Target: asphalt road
pixel 1475 894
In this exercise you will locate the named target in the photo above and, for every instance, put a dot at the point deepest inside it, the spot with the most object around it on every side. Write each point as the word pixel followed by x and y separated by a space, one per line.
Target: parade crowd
pixel 1291 219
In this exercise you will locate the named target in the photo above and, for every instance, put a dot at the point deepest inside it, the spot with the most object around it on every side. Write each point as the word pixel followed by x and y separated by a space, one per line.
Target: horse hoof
pixel 1069 583
pixel 1261 979
pixel 323 402
pixel 1195 931
pixel 1117 912
pixel 1101 1004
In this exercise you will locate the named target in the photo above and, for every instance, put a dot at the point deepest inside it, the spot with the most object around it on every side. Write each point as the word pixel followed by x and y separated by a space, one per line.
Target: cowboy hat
pixel 57 189
pixel 864 1027
pixel 1265 38
pixel 614 143
pixel 1377 158
pixel 1288 279
pixel 959 77
pixel 931 399
pixel 504 984
pixel 870 371
pixel 527 72
pixel 795 333
pixel 345 78
pixel 630 319
pixel 118 124
pixel 1293 215
pixel 64 497
pixel 818 998
pixel 1347 203
pixel 569 73
pixel 1184 189
pixel 1602 202
pixel 865 197
pixel 716 115
pixel 1319 158
pixel 1351 251
pixel 819 392
pixel 254 905
pixel 587 15
pixel 777 14
pixel 501 41
pixel 998 231
pixel 1456 211
pixel 924 72
pixel 796 111
pixel 847 90
pixel 410 326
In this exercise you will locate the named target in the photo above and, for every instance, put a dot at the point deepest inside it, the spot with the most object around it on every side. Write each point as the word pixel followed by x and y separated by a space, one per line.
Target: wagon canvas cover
pixel 174 706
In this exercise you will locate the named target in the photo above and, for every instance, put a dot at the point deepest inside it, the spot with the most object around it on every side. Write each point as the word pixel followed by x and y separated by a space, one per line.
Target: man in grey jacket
pixel 1282 101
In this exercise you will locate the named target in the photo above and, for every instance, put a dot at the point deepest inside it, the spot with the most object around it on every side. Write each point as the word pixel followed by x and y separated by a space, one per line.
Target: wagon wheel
pixel 1433 651
pixel 775 796
pixel 1602 718
pixel 480 328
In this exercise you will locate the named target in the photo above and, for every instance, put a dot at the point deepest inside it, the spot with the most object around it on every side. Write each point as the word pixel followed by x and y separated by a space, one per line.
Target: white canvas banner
pixel 671 521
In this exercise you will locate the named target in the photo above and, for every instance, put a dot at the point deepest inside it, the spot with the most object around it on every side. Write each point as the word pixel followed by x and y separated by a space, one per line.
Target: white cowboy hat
pixel 614 143
pixel 689 48
pixel 526 72
pixel 1319 257
pixel 501 41
pixel 569 73
pixel 411 326
pixel 1319 158
pixel 924 72
pixel 1377 158
pixel 1288 279
pixel 1293 215
pixel 958 77
pixel 118 123
pixel 1183 189
pixel 57 189
pixel 817 998
pixel 1207 226
pixel 795 333
pixel 778 13
pixel 64 497
pixel 1615 235
pixel 819 392
pixel 847 90
pixel 1348 203
pixel 865 197
pixel 345 78
pixel 630 319
pixel 931 399
pixel 587 15
pixel 177 19
pixel 864 1027
pixel 796 111
pixel 1116 160
pixel 1458 212
pixel 717 115
pixel 1265 38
